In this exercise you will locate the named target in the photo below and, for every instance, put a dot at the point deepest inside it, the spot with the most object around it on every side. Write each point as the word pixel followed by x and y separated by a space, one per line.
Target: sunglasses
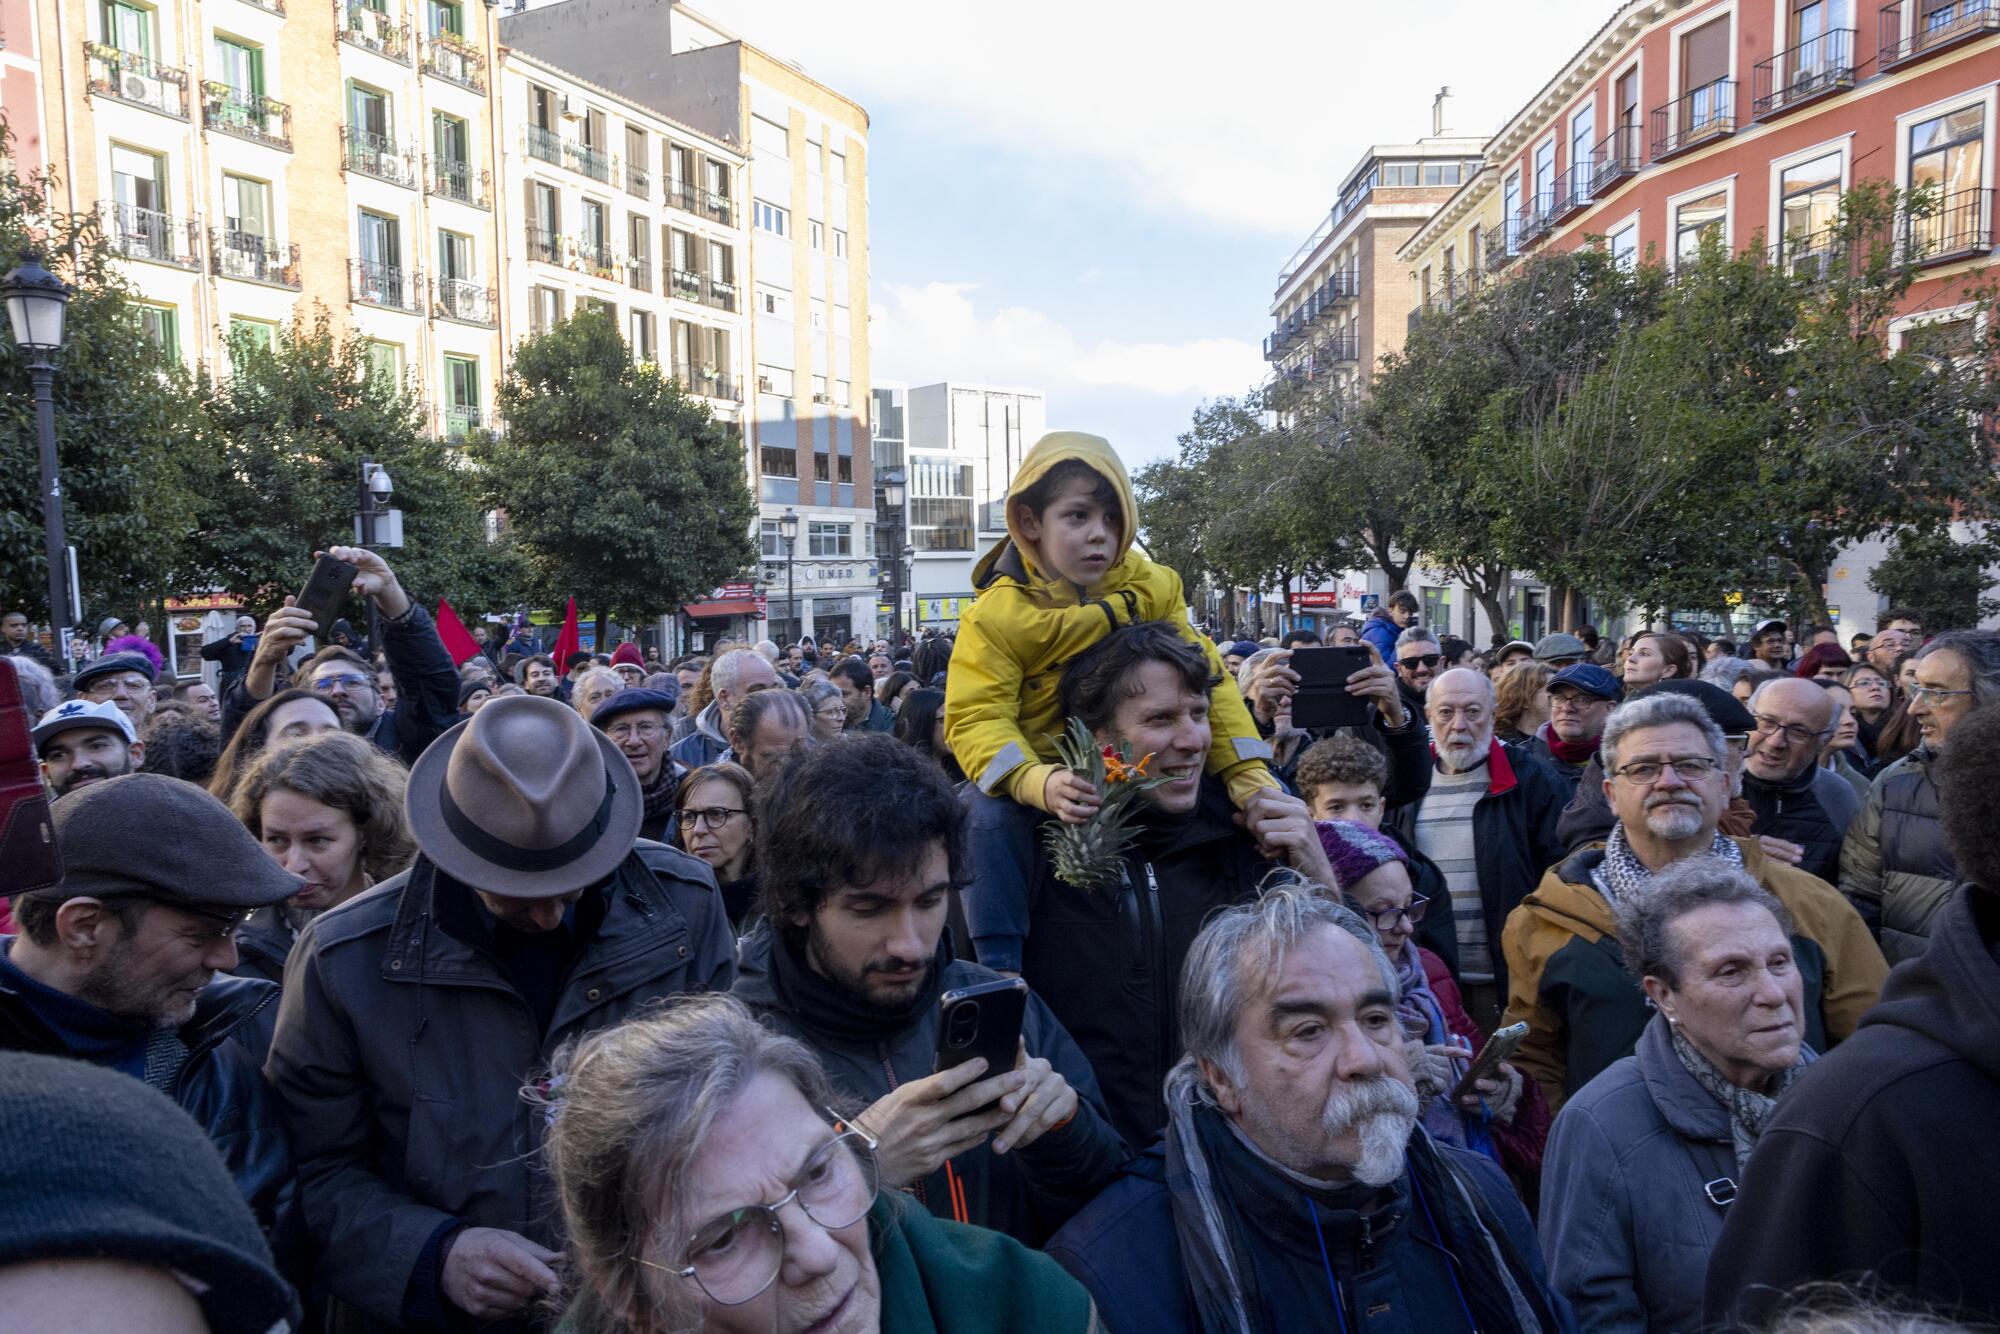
pixel 1424 660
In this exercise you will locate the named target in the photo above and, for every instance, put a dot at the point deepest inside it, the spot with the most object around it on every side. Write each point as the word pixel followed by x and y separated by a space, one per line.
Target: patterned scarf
pixel 1622 877
pixel 659 797
pixel 1748 1109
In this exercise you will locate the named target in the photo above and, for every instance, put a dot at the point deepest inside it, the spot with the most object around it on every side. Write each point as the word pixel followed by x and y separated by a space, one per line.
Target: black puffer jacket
pixel 218 1083
pixel 1895 867
pixel 262 943
pixel 1813 810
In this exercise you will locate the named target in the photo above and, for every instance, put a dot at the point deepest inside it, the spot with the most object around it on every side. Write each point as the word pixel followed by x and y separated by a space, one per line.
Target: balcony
pixel 467 302
pixel 687 284
pixel 682 196
pixel 143 233
pixel 1576 190
pixel 1339 349
pixel 638 181
pixel 372 30
pixel 1804 73
pixel 451 179
pixel 450 57
pixel 1617 155
pixel 462 420
pixel 1956 226
pixel 1938 30
pixel 639 273
pixel 1537 217
pixel 587 161
pixel 722 295
pixel 1503 246
pixel 544 245
pixel 268 6
pixel 597 258
pixel 125 77
pixel 543 144
pixel 375 155
pixel 1699 116
pixel 261 120
pixel 719 207
pixel 252 258
pixel 710 384
pixel 372 282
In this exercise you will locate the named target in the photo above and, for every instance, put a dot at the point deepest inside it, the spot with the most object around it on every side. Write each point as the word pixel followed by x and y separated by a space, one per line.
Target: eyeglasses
pixel 106 686
pixel 1575 700
pixel 1690 768
pixel 714 817
pixel 324 685
pixel 1385 918
pixel 1795 734
pixel 1932 695
pixel 737 1256
pixel 1423 660
pixel 626 731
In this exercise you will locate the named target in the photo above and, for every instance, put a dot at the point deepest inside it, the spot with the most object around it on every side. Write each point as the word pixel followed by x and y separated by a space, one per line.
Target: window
pixel 1705 91
pixel 1625 246
pixel 1625 100
pixel 773 303
pixel 1696 219
pixel 544 223
pixel 775 462
pixel 940 503
pixel 594 240
pixel 843 469
pixel 717 176
pixel 819 388
pixel 639 244
pixel 1510 210
pixel 448 18
pixel 382 361
pixel 455 258
pixel 451 143
pixel 721 263
pixel 160 326
pixel 1472 255
pixel 818 309
pixel 767 136
pixel 867 539
pixel 829 539
pixel 259 334
pixel 139 188
pixel 461 394
pixel 129 28
pixel 594 129
pixel 772 219
pixel 241 66
pixel 680 171
pixel 1944 342
pixel 543 108
pixel 843 393
pixel 1812 21
pixel 369 121
pixel 1809 205
pixel 639 334
pixel 1441 173
pixel 770 540
pixel 1545 177
pixel 822 468
pixel 816 234
pixel 775 380
pixel 1582 139
pixel 545 308
pixel 839 244
pixel 380 239
pixel 1947 164
pixel 636 156
pixel 839 169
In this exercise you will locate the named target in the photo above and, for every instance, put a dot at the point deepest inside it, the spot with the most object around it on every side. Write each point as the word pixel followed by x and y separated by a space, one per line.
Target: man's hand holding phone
pixel 1378 683
pixel 926 1121
pixel 285 629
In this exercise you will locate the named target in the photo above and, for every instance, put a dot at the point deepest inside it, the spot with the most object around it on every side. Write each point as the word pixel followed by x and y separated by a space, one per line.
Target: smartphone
pixel 1497 1049
pixel 1322 700
pixel 248 644
pixel 325 591
pixel 982 1020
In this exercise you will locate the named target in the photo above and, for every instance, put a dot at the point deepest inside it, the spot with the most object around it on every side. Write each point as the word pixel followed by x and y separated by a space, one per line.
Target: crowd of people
pixel 387 992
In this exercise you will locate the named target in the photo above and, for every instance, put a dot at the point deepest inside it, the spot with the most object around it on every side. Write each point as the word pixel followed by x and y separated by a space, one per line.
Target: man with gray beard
pixel 1294 1188
pixel 1667 779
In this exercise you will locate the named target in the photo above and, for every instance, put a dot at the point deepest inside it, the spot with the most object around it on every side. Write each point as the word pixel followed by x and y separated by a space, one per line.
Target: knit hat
pixel 1355 850
pixel 628 654
pixel 109 663
pixel 93 1163
pixel 467 689
pixel 153 835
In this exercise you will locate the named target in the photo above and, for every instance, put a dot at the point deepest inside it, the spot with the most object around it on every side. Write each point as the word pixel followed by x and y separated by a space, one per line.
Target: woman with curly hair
pixel 329 809
pixel 1521 701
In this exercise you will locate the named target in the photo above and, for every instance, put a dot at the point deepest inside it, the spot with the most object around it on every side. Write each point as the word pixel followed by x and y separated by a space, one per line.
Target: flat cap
pixel 631 700
pixel 1560 645
pixel 1590 679
pixel 1723 708
pixel 113 662
pixel 163 838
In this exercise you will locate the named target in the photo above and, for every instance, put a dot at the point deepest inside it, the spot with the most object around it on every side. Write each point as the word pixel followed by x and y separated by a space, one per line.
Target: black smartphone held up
pixel 1498 1048
pixel 1322 699
pixel 983 1020
pixel 325 591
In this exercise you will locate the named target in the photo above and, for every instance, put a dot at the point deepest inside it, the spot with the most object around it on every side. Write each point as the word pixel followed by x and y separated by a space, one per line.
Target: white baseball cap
pixel 78 713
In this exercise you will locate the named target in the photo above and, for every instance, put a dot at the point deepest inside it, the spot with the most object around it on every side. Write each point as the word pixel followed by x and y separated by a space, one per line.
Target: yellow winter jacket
pixel 1001 708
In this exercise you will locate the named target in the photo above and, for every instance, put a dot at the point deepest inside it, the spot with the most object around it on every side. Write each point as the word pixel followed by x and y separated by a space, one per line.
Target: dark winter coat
pixel 1627 1220
pixel 704 743
pixel 262 944
pixel 1894 866
pixel 401 1052
pixel 1567 771
pixel 1880 1161
pixel 218 1084
pixel 1027 1193
pixel 1381 630
pixel 1813 810
pixel 1514 837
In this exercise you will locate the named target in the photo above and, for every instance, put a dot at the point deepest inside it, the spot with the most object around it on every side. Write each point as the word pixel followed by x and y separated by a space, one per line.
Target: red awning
pixel 702 610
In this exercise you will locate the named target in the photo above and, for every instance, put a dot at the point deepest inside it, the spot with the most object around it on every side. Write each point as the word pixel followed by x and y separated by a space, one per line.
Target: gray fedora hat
pixel 525 800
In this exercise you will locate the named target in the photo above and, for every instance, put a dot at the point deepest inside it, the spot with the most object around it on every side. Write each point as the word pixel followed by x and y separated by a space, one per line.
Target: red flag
pixel 569 641
pixel 457 642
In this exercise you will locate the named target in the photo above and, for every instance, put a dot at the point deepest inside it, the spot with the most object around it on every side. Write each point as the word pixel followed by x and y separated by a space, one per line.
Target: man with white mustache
pixel 1489 822
pixel 1668 781
pixel 1294 1188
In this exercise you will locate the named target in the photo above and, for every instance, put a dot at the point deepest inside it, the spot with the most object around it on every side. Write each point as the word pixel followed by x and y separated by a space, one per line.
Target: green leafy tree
pixel 1946 579
pixel 124 429
pixel 617 487
pixel 285 435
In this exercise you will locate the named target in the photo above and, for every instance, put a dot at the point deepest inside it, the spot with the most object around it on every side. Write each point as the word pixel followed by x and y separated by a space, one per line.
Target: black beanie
pixel 94 1163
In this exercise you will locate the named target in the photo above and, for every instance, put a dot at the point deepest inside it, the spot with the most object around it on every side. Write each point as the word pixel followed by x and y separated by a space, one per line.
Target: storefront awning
pixel 732 607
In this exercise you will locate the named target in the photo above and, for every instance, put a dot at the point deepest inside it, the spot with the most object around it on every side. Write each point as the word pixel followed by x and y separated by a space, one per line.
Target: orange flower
pixel 1118 771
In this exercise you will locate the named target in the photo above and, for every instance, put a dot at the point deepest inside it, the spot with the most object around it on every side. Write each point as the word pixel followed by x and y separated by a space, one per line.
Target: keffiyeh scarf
pixel 1621 876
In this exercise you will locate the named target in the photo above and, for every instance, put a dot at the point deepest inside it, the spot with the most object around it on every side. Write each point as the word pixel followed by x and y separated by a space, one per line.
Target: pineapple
pixel 1091 855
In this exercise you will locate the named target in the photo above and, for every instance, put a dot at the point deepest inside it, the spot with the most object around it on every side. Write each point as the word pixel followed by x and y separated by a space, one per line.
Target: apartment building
pixel 243 155
pixel 21 98
pixel 964 445
pixel 1748 119
pixel 621 208
pixel 807 390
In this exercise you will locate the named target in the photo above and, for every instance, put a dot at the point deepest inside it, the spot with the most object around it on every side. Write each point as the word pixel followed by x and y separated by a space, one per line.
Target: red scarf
pixel 1569 752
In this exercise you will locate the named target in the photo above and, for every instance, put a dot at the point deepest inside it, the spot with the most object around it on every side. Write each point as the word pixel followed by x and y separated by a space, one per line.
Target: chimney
pixel 1440 126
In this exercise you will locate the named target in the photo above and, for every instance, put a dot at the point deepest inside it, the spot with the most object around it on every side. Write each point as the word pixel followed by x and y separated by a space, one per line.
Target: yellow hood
pixel 1051 449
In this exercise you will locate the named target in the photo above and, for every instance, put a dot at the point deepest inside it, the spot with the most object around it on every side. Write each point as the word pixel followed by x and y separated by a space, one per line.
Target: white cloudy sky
pixel 1094 197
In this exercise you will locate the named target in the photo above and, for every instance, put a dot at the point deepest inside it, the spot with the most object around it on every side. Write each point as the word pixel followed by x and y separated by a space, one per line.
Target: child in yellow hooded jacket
pixel 1066 577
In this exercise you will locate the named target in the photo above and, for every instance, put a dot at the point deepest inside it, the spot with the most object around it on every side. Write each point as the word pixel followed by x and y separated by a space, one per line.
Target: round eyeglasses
pixel 736 1256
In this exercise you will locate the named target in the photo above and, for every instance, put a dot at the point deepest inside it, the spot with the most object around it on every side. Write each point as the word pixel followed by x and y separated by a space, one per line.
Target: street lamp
pixel 36 300
pixel 906 566
pixel 895 487
pixel 376 488
pixel 788 528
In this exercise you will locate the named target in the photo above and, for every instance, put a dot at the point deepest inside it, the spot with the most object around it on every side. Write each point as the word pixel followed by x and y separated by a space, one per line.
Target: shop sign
pixel 205 602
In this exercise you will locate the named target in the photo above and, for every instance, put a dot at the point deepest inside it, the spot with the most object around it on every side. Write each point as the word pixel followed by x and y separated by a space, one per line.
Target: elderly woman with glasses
pixel 706 1183
pixel 1644 1160
pixel 1506 1116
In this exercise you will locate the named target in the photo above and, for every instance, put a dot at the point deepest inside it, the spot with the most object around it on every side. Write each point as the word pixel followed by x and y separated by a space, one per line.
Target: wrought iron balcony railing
pixel 1910 31
pixel 125 76
pixel 144 233
pixel 376 155
pixel 1802 73
pixel 455 60
pixel 451 179
pixel 263 120
pixel 252 257
pixel 1698 116
pixel 372 30
pixel 467 302
pixel 376 283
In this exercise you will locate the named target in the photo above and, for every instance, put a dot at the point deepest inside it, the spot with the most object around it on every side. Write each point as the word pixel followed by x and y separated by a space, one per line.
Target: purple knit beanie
pixel 1355 850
